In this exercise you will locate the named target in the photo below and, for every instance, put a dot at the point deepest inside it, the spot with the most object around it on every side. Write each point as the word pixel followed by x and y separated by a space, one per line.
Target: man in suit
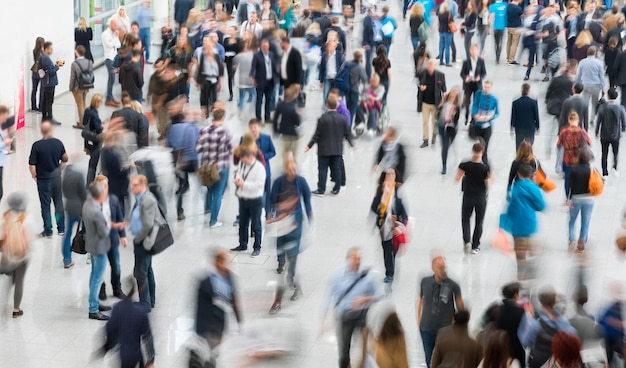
pixel 142 220
pixel 473 72
pixel 577 103
pixel 264 77
pixel 454 346
pixel 331 62
pixel 525 118
pixel 290 64
pixel 372 37
pixel 330 132
pixel 49 81
pixel 98 224
pixel 112 207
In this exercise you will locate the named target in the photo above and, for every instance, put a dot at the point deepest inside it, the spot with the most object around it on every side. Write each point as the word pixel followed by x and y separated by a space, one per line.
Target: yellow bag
pixel 596 184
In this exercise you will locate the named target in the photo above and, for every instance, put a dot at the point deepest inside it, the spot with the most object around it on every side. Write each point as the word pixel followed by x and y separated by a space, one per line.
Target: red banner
pixel 20 115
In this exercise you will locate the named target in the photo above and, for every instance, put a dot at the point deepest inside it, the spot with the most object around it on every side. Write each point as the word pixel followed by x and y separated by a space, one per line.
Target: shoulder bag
pixel 359 314
pixel 585 146
pixel 160 237
pixel 452 25
pixel 78 243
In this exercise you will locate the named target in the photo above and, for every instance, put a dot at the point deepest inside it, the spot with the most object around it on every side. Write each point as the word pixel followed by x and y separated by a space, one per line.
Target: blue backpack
pixel 342 79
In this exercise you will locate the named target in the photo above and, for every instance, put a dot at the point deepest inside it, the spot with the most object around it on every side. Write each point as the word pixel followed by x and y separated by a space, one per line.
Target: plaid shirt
pixel 214 145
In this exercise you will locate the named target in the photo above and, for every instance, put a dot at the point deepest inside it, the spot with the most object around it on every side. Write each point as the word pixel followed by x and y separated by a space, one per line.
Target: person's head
pixel 389 177
pixel 113 25
pixel 525 152
pixel 497 350
pixel 453 95
pixel 353 258
pixel 82 24
pixel 573 118
pixel 417 10
pixel 591 51
pixel 581 295
pixel 265 46
pixel 374 81
pixel 511 290
pixel 220 260
pixel 253 17
pixel 487 87
pixel 291 92
pixel 612 93
pixel 47 48
pixel 334 21
pixel 183 31
pixel 254 125
pixel 46 128
pixel 474 51
pixel 443 7
pixel 4 113
pixel 357 56
pixel 97 191
pixel 219 6
pixel 525 89
pixel 285 43
pixel 385 10
pixel 135 56
pixel 583 157
pixel 218 115
pixel 547 298
pixel 138 184
pixel 136 106
pixel 266 5
pixel 246 156
pixel 146 3
pixel 39 42
pixel 134 29
pixel 577 88
pixel 96 101
pixel 105 182
pixel 612 43
pixel 306 13
pixel 80 51
pixel 381 52
pixel 430 67
pixel 524 171
pixel 439 268
pixel 126 100
pixel 477 149
pixel 121 11
pixel 391 134
pixel 331 103
pixel 461 317
pixel 566 350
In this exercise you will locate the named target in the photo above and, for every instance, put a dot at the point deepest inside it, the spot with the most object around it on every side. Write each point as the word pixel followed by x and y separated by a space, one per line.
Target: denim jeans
pixel 250 213
pixel 251 92
pixel 145 277
pixel 98 265
pixel 467 42
pixel 328 85
pixel 566 169
pixel 50 190
pixel 352 102
pixel 369 55
pixel 415 41
pixel 144 35
pixel 428 341
pixel 33 95
pixel 111 80
pixel 114 261
pixel 214 195
pixel 584 206
pixel 287 249
pixel 67 238
pixel 323 162
pixel 447 137
pixel 445 40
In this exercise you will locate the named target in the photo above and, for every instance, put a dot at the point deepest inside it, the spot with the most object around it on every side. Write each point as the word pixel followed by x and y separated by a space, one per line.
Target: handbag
pixel 472 131
pixel 208 174
pixel 451 25
pixel 542 180
pixel 596 183
pixel 78 242
pixel 585 146
pixel 160 237
pixel 400 241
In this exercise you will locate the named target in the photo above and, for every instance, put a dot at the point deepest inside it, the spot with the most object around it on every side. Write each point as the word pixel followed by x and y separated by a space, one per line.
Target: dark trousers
pixel 183 185
pixel 250 212
pixel 345 329
pixel 390 257
pixel 208 94
pixel 469 89
pixel 144 275
pixel 114 261
pixel 447 137
pixel 48 100
pixel 605 142
pixel 529 43
pixel 323 162
pixel 34 104
pixel 369 54
pixel 428 341
pixel 570 47
pixel 524 135
pixel 352 102
pixel 497 36
pixel 261 93
pixel 485 134
pixel 231 74
pixel 623 94
pixel 477 204
pixel 1 186
pixel 50 190
pixel 94 157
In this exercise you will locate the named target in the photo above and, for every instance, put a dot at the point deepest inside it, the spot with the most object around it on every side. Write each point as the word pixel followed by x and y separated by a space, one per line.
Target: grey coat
pixel 97 240
pixel 73 190
pixel 149 210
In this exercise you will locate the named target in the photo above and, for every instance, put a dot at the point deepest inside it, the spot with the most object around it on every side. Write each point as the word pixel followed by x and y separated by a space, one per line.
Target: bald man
pixel 47 158
pixel 436 304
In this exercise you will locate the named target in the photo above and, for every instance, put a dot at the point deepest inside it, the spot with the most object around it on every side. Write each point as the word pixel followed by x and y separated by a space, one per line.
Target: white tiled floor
pixel 55 331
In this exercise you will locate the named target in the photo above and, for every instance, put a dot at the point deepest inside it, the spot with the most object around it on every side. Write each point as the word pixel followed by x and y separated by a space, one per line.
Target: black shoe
pixel 230 98
pixel 43 234
pixel 19 313
pixel 443 171
pixel 318 192
pixel 103 293
pixel 545 79
pixel 275 307
pixel 104 308
pixel 99 316
pixel 55 122
pixel 334 191
pixel 526 78
pixel 149 62
pixel 118 293
pixel 240 248
pixel 543 69
pixel 280 269
pixel 181 216
pixel 424 144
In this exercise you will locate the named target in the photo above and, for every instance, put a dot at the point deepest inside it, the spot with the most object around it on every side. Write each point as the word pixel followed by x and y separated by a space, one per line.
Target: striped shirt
pixel 215 145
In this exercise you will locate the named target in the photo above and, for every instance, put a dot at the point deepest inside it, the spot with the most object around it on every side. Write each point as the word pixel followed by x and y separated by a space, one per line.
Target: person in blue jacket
pixel 485 111
pixel 266 145
pixel 49 81
pixel 526 199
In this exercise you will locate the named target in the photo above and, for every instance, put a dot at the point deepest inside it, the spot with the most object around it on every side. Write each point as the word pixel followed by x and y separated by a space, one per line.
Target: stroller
pixel 372 114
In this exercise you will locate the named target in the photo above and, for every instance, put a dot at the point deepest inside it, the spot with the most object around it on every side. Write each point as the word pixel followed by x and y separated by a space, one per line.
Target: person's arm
pixel 306 198
pixel 271 151
pixel 419 309
pixel 459 175
pixel 512 174
pixel 277 121
pixel 315 138
pixel 148 214
pixel 600 120
pixel 64 159
pixel 513 115
pixel 536 114
pixel 139 78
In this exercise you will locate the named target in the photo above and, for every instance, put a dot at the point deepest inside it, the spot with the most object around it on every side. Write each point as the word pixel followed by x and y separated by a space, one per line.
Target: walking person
pixel 470 25
pixel 49 81
pixel 385 343
pixel 610 126
pixel 287 121
pixel 110 43
pixel 476 176
pixel 209 71
pixel 391 155
pixel 75 194
pixel 513 30
pixel 290 192
pixel 5 145
pixel 91 118
pixel 525 118
pixel 391 219
pixel 454 345
pixel 144 17
pixel 47 158
pixel 575 102
pixel 432 86
pixel 484 112
pixel 445 34
pixel 571 139
pixel 264 77
pixel 483 24
pixel 473 71
pixel 83 35
pixel 131 77
pixel 591 75
pixel 36 99
pixel 498 18
pixel 580 201
pixel 382 67
pixel 415 21
pixel 81 66
pixel 448 123
pixel 330 64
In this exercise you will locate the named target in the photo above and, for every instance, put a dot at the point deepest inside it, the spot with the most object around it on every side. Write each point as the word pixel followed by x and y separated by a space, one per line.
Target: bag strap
pixel 349 289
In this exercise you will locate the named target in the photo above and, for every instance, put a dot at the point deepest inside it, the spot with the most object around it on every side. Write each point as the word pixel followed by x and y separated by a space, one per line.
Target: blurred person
pixel 268 16
pixel 513 30
pixel 129 329
pixel 448 123
pixel 133 120
pixel 329 66
pixel 98 224
pixel 559 90
pixel 74 190
pixel 181 55
pixel 484 112
pixel 371 104
pixel 291 71
pixel 289 193
pixel 497 352
pixel 415 21
pixel 329 134
pixel 439 297
pixel 49 81
pixel 242 63
pixel 80 66
pixel 91 120
pixel 341 104
pixel 391 218
pixel 584 41
pixel 587 329
pixel 5 145
pixel 287 121
pixel 525 118
pixel 469 28
pixel 264 77
pixel 157 94
pixel 391 155
pixel 612 322
pixel 231 48
pixel 47 159
pixel 131 78
pixel 123 20
pixel 115 168
pixel 524 156
pixel 37 52
pixel 571 139
pixel 389 28
pixel 525 200
pixel 579 200
pixel 538 328
pixel 531 35
pixel 144 16
pixel 476 176
pixel 351 292
pixel 483 23
pixel 245 9
pixel 285 15
pixel 181 11
pixel 214 145
pixel 358 77
pixel 382 67
pixel 575 102
pixel 498 19
pixel 112 209
pixel 340 34
pixel 208 75
pixel 83 35
pixel 17 239
pixel 252 25
pixel 432 86
pixel 111 43
pixel 384 345
pixel 619 69
pixel 444 15
pixel 266 145
pixel 611 123
pixel 591 75
pixel 455 346
pixel 143 216
pixel 566 351
pixel 473 71
pixel 572 26
pixel 611 55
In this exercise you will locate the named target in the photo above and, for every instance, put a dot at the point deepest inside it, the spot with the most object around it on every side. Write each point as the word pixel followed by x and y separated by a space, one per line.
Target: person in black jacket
pixel 131 78
pixel 181 11
pixel 432 85
pixel 611 124
pixel 292 73
pixel 619 70
pixel 391 155
pixel 91 118
pixel 330 132
pixel 75 192
pixel 264 77
pixel 114 169
pixel 287 120
pixel 133 121
pixel 525 118
pixel 473 72
pixel 577 103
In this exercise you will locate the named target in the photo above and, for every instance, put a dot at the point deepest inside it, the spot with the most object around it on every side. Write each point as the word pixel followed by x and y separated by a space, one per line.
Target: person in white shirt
pixel 252 25
pixel 110 44
pixel 250 184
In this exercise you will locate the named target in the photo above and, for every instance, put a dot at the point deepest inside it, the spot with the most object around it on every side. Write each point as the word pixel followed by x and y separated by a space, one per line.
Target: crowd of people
pixel 273 53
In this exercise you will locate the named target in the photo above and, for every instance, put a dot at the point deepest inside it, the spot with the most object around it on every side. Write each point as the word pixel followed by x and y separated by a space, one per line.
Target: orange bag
pixel 501 243
pixel 596 184
pixel 543 182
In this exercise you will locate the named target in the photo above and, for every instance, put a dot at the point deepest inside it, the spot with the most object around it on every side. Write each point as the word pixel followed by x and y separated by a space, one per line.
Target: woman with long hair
pixel 91 118
pixel 580 200
pixel 231 49
pixel 384 342
pixel 285 15
pixel 35 103
pixel 123 21
pixel 483 24
pixel 194 25
pixel 415 21
pixel 582 44
pixel 181 55
pixel 525 156
pixel 445 34
pixel 448 122
pixel 391 218
pixel 566 351
pixel 497 352
pixel 471 22
pixel 382 67
pixel 83 36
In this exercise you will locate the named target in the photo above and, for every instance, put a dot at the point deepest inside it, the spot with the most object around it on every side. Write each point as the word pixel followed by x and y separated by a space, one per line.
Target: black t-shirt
pixel 474 179
pixel 439 303
pixel 46 155
pixel 429 93
pixel 444 19
pixel 382 72
pixel 579 179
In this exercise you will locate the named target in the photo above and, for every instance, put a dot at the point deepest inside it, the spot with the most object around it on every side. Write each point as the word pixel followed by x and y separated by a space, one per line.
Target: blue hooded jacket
pixel 526 200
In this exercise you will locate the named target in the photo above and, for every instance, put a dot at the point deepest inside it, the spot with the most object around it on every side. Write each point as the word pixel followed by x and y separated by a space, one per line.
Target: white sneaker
pixel 467 248
pixel 216 225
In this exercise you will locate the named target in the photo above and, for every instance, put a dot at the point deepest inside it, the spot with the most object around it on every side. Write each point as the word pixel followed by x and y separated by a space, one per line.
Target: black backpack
pixel 542 350
pixel 86 78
